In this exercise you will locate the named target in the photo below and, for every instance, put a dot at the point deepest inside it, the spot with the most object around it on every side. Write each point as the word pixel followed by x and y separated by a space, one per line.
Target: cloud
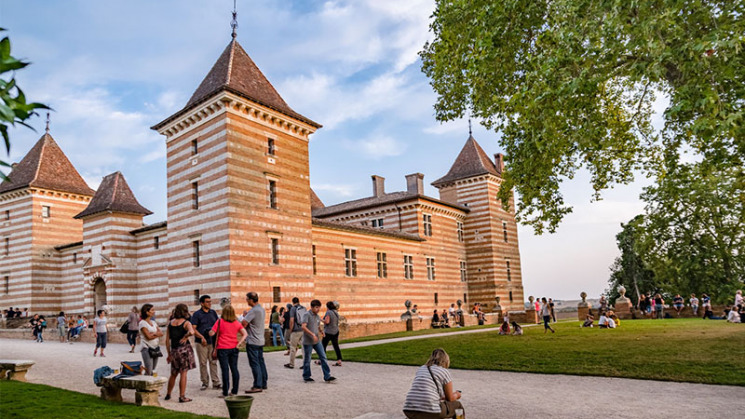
pixel 377 147
pixel 342 190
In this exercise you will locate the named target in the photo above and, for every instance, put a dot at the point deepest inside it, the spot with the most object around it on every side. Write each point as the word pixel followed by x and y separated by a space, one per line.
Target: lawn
pixel 687 350
pixel 25 400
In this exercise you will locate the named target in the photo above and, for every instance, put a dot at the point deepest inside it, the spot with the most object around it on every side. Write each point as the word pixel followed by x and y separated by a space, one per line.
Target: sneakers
pixel 330 380
pixel 204 387
pixel 309 380
pixel 254 390
pixel 290 366
pixel 217 386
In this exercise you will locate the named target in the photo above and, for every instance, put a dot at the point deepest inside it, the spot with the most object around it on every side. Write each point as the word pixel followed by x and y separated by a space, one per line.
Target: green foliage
pixel 689 350
pixel 14 109
pixel 630 269
pixel 570 84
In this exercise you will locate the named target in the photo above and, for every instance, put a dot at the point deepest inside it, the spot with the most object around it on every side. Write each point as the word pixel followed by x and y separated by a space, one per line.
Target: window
pixel 6 284
pixel 196 296
pixel 437 300
pixel 427 219
pixel 74 258
pixel 465 298
pixel 350 262
pixel 7 215
pixel 377 223
pixel 273 194
pixel 7 246
pixel 195 253
pixel 462 271
pixel 504 230
pixel 195 195
pixel 509 274
pixel 382 265
pixel 275 251
pixel 314 259
pixel 459 226
pixel 46 211
pixel 270 147
pixel 510 296
pixel 408 267
pixel 194 147
pixel 156 242
pixel 431 269
pixel 276 294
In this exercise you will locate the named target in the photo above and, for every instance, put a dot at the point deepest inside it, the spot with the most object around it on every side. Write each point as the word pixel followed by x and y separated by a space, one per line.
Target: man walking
pixel 253 321
pixel 312 340
pixel 202 321
pixel 296 331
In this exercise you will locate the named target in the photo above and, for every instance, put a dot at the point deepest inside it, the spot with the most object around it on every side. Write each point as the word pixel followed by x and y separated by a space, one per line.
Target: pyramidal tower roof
pixel 472 161
pixel 236 72
pixel 46 166
pixel 114 195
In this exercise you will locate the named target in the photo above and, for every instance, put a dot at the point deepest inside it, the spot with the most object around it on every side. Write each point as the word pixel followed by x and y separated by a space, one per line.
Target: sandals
pixel 183 399
pixel 168 397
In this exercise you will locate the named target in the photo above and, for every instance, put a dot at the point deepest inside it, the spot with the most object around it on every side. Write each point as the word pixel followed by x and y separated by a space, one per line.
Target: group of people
pixel 15 313
pixel 510 327
pixel 450 317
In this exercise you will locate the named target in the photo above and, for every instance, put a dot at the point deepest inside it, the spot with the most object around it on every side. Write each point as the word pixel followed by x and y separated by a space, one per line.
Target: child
pixel 40 326
pixel 99 324
pixel 505 328
pixel 516 329
pixel 588 321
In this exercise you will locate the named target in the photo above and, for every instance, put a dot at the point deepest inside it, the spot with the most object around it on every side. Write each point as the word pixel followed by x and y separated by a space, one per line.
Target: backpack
pixel 99 373
pixel 299 314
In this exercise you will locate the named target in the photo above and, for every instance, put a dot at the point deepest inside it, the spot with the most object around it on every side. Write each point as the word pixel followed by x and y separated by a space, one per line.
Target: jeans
pixel 659 312
pixel 132 337
pixel 307 351
pixel 101 340
pixel 546 321
pixel 258 367
pixel 334 339
pixel 229 364
pixel 148 362
pixel 277 330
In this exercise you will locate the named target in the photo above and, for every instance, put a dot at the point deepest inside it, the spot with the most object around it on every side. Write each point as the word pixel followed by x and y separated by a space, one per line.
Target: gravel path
pixel 374 391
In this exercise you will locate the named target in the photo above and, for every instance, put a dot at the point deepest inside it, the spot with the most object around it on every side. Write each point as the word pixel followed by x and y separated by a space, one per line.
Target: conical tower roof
pixel 315 201
pixel 114 195
pixel 472 161
pixel 46 166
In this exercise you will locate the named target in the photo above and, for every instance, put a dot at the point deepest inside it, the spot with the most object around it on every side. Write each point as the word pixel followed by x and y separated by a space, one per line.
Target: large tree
pixel 630 269
pixel 571 84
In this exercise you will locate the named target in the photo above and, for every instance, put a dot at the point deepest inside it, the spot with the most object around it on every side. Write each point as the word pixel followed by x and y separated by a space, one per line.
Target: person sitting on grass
pixel 603 321
pixel 505 328
pixel 612 316
pixel 733 316
pixel 588 321
pixel 432 393
pixel 517 330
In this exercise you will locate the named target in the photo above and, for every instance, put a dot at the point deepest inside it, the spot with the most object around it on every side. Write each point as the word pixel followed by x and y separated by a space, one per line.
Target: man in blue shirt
pixel 203 320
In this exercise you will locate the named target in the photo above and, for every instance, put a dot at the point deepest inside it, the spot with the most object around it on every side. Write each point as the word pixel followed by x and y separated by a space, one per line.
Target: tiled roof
pixel 365 230
pixel 374 201
pixel 315 201
pixel 114 195
pixel 46 166
pixel 154 226
pixel 472 161
pixel 236 72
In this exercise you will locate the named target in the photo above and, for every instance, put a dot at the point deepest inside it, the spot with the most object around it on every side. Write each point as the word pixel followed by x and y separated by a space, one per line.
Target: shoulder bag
pixel 443 403
pixel 125 327
pixel 214 350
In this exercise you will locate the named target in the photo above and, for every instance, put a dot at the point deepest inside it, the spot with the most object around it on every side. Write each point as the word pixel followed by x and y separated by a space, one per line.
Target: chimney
pixel 378 185
pixel 415 183
pixel 499 162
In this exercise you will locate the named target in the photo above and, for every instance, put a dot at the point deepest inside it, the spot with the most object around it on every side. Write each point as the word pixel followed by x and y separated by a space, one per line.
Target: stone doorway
pixel 99 295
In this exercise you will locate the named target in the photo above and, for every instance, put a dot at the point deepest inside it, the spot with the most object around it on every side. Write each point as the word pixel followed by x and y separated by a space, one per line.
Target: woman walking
pixel 275 323
pixel 546 313
pixel 331 330
pixel 99 325
pixel 133 320
pixel 180 352
pixel 227 328
pixel 432 395
pixel 150 340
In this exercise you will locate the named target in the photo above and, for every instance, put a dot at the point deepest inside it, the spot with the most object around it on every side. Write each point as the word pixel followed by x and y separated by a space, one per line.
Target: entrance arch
pixel 99 294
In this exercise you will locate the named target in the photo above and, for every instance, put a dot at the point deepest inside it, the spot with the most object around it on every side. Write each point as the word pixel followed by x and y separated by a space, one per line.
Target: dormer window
pixel 377 223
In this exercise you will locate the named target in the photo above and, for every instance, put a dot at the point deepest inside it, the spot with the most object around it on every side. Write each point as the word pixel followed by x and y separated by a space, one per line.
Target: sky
pixel 111 69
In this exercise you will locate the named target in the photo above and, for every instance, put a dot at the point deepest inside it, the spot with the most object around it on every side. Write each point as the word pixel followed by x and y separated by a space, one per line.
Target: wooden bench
pixel 147 389
pixel 14 369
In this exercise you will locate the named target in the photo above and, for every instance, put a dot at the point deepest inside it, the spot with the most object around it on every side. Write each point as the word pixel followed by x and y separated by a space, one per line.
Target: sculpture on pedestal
pixel 407 314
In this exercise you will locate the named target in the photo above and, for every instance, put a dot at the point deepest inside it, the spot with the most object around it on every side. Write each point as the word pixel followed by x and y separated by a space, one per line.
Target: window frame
pixel 350 262
pixel 272 189
pixel 427 224
pixel 408 267
pixel 430 263
pixel 274 246
pixel 196 254
pixel 382 264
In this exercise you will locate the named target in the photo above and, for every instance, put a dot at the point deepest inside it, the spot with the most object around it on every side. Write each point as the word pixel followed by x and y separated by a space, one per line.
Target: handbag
pixel 214 349
pixel 131 368
pixel 125 327
pixel 154 352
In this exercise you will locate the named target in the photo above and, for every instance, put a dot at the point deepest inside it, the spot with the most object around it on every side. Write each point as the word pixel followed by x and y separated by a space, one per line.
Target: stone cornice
pixel 486 176
pixel 18 193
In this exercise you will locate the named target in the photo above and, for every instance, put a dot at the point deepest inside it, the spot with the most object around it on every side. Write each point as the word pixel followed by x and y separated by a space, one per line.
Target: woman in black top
pixel 180 352
pixel 659 304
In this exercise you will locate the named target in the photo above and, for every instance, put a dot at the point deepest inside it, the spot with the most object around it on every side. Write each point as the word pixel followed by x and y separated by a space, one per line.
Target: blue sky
pixel 112 69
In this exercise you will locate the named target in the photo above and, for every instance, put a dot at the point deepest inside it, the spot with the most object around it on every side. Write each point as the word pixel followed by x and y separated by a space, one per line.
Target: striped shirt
pixel 424 395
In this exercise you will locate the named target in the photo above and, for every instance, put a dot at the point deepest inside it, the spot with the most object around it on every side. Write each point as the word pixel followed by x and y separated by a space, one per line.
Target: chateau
pixel 242 216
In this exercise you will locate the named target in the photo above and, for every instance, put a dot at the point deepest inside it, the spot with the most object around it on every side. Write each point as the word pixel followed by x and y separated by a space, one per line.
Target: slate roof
pixel 235 72
pixel 315 201
pixel 46 166
pixel 472 161
pixel 374 201
pixel 114 195
pixel 336 225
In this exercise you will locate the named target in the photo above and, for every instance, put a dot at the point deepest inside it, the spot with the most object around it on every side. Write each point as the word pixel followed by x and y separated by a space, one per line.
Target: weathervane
pixel 234 22
pixel 47 129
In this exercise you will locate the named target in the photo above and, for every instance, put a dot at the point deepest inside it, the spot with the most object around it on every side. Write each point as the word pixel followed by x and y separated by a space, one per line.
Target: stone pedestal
pixel 623 308
pixel 112 394
pixel 582 312
pixel 531 316
pixel 147 398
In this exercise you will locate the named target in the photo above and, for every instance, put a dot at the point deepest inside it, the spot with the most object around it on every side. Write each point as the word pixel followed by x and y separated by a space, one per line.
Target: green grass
pixel 687 350
pixel 26 400
pixel 416 333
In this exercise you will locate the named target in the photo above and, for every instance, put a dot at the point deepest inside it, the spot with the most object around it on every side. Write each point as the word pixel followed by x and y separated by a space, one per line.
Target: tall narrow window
pixel 431 269
pixel 156 242
pixel 74 258
pixel 504 230
pixel 270 147
pixel 314 259
pixel 276 295
pixel 459 226
pixel 462 271
pixel 195 195
pixel 377 223
pixel 275 251
pixel 408 267
pixel 509 274
pixel 382 265
pixel 427 221
pixel 510 296
pixel 46 211
pixel 194 147
pixel 195 253
pixel 6 284
pixel 350 262
pixel 7 246
pixel 273 194
pixel 196 296
pixel 7 215
pixel 437 300
pixel 465 298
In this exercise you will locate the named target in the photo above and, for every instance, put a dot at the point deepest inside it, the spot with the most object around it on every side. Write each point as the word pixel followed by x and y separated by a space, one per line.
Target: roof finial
pixel 47 129
pixel 470 132
pixel 234 22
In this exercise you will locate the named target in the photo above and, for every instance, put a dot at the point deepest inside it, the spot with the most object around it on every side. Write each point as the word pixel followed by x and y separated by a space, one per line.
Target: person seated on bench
pixel 444 319
pixel 435 320
pixel 517 330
